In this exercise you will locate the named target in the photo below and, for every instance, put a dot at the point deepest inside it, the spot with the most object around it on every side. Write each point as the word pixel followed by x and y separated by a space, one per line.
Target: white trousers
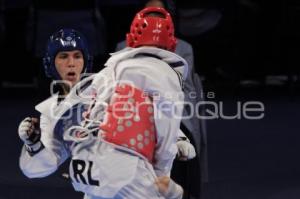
pixel 142 187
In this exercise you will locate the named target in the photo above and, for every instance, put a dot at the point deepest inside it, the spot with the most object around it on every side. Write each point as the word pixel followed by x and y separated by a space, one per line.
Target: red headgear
pixel 152 30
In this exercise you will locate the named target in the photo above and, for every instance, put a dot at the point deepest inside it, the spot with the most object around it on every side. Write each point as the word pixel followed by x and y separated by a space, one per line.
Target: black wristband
pixel 182 139
pixel 34 148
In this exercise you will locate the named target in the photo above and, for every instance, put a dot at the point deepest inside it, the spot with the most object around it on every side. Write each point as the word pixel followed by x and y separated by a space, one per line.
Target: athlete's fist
pixel 29 131
pixel 186 150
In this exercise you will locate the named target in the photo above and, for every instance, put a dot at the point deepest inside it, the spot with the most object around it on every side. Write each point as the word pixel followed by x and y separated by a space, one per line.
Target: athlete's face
pixel 69 65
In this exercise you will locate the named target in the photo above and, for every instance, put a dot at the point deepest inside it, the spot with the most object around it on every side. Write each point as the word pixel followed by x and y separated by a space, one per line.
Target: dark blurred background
pixel 244 50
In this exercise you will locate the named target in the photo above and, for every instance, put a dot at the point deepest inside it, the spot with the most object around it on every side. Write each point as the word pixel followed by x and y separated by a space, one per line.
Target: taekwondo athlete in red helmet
pixel 141 92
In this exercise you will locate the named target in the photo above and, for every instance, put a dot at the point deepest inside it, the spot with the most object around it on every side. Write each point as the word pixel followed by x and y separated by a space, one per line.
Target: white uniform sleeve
pixel 46 161
pixel 158 79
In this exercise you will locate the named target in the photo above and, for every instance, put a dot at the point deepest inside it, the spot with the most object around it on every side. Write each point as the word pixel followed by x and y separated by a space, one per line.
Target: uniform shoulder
pixel 144 63
pixel 183 44
pixel 45 105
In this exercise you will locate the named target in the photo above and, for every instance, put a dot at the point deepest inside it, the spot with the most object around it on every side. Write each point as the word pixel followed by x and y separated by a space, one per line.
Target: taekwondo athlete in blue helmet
pixel 67 58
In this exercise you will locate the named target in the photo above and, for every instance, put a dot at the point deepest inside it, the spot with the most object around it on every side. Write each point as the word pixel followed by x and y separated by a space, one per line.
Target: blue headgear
pixel 65 40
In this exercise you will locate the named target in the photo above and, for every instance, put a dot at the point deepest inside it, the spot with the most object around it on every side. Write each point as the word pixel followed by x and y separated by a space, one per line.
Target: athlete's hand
pixel 186 150
pixel 29 131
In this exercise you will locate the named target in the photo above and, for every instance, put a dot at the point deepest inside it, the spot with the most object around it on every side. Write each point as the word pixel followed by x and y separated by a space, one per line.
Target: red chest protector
pixel 129 121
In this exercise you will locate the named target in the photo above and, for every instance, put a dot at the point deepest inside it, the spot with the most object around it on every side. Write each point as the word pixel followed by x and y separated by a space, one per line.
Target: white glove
pixel 186 150
pixel 30 134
